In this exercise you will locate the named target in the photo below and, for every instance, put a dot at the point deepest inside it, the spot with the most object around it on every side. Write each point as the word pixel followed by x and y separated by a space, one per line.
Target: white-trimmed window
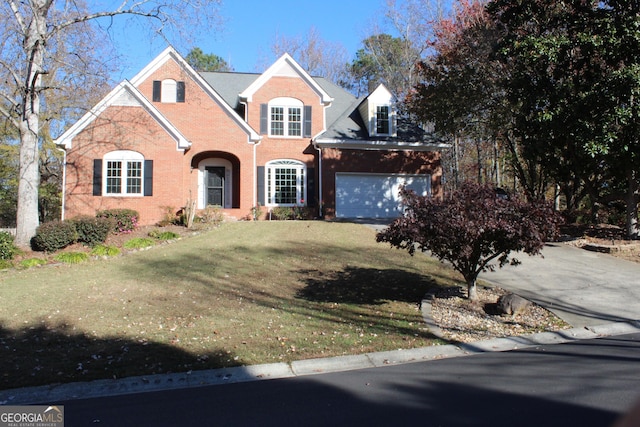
pixel 285 117
pixel 123 173
pixel 383 120
pixel 168 91
pixel 285 183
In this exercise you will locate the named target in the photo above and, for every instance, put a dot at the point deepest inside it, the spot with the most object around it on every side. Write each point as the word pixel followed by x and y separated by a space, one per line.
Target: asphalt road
pixel 581 383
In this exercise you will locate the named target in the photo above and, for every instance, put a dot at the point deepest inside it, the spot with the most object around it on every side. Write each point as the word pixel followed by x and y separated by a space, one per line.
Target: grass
pixel 71 257
pixel 105 251
pixel 32 262
pixel 139 243
pixel 163 235
pixel 244 293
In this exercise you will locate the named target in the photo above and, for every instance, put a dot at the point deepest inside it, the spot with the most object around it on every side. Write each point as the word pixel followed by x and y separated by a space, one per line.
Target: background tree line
pixel 546 94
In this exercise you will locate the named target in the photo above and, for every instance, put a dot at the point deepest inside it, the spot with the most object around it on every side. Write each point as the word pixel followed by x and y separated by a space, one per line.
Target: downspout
pixel 64 181
pixel 255 174
pixel 255 157
pixel 320 198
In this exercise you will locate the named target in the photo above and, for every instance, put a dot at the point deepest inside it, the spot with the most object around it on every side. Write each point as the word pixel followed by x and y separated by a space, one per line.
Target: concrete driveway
pixel 584 288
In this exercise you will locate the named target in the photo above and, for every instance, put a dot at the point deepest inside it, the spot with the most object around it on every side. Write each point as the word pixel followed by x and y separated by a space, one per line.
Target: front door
pixel 215 186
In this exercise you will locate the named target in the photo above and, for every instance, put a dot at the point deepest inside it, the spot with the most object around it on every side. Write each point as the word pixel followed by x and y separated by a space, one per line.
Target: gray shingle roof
pixel 342 117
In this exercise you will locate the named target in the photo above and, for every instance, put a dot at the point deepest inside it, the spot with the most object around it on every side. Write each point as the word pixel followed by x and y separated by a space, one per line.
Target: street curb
pixel 151 383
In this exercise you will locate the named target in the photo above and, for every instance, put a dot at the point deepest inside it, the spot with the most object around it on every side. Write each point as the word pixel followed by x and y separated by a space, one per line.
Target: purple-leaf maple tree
pixel 472 228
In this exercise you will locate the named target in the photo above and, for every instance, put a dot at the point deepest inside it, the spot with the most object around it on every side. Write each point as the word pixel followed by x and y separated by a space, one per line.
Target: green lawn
pixel 244 293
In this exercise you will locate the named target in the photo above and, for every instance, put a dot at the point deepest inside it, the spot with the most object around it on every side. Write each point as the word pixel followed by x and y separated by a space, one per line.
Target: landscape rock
pixel 512 304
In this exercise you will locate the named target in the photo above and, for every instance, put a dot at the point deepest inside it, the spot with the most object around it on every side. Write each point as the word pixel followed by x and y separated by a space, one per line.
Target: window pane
pixel 285 185
pixel 295 122
pixel 277 121
pixel 382 120
pixel 134 177
pixel 114 177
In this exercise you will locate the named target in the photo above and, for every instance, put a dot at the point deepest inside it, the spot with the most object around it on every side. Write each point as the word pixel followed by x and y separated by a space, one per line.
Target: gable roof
pixel 125 94
pixel 170 53
pixel 229 84
pixel 285 66
pixel 349 131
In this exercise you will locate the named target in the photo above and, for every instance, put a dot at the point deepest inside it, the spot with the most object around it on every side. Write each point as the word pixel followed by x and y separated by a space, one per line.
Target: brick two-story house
pixel 171 135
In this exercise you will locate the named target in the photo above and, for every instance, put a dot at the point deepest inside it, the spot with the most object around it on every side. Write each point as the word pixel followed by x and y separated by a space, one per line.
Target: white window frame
pixel 287 105
pixel 389 119
pixel 127 159
pixel 271 187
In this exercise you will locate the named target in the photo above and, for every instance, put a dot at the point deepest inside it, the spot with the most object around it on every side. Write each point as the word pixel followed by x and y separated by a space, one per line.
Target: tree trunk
pixel 29 179
pixel 633 198
pixel 456 162
pixel 472 290
pixel 27 214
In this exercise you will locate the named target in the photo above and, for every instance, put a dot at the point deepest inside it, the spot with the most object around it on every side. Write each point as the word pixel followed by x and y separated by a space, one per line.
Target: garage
pixel 367 195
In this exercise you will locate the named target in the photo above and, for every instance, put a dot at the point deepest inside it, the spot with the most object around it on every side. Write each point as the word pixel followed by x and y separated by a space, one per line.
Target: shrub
pixel 472 228
pixel 256 212
pixel 163 235
pixel 32 262
pixel 5 263
pixel 282 213
pixel 7 248
pixel 138 243
pixel 93 231
pixel 170 217
pixel 125 220
pixel 211 215
pixel 103 250
pixel 54 235
pixel 72 257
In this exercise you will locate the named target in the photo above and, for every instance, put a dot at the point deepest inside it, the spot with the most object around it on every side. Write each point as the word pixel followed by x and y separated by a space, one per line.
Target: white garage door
pixel 375 195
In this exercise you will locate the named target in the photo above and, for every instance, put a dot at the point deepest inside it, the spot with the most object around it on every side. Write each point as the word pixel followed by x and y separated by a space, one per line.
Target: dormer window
pixel 383 120
pixel 285 117
pixel 378 113
pixel 168 91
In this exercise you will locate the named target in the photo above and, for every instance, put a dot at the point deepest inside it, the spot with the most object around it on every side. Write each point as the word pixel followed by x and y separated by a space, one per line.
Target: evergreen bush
pixel 125 220
pixel 93 231
pixel 7 248
pixel 54 235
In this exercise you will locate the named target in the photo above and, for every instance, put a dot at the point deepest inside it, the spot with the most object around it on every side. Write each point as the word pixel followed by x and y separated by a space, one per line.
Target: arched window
pixel 285 183
pixel 123 173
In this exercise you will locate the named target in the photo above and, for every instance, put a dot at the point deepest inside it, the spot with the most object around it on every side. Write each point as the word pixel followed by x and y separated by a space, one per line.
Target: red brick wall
pixel 124 128
pixel 334 161
pixel 272 148
pixel 210 128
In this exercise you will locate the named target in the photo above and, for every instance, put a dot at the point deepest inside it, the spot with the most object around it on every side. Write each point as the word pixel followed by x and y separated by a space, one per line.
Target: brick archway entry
pixel 235 174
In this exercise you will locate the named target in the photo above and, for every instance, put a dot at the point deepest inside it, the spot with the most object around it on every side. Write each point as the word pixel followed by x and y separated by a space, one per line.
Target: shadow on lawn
pixel 357 285
pixel 51 354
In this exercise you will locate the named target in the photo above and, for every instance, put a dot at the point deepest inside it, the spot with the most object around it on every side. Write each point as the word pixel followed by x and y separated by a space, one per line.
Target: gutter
pixel 379 145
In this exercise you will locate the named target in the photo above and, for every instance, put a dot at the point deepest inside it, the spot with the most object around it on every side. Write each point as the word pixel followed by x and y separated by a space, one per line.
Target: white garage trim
pixel 369 195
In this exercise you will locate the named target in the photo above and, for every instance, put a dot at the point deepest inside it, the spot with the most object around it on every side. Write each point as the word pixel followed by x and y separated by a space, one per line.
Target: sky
pixel 250 28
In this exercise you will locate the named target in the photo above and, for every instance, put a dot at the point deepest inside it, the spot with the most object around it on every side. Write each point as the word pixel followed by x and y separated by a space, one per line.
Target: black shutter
pixel 157 90
pixel 260 186
pixel 148 177
pixel 264 119
pixel 97 177
pixel 311 187
pixel 180 92
pixel 307 121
